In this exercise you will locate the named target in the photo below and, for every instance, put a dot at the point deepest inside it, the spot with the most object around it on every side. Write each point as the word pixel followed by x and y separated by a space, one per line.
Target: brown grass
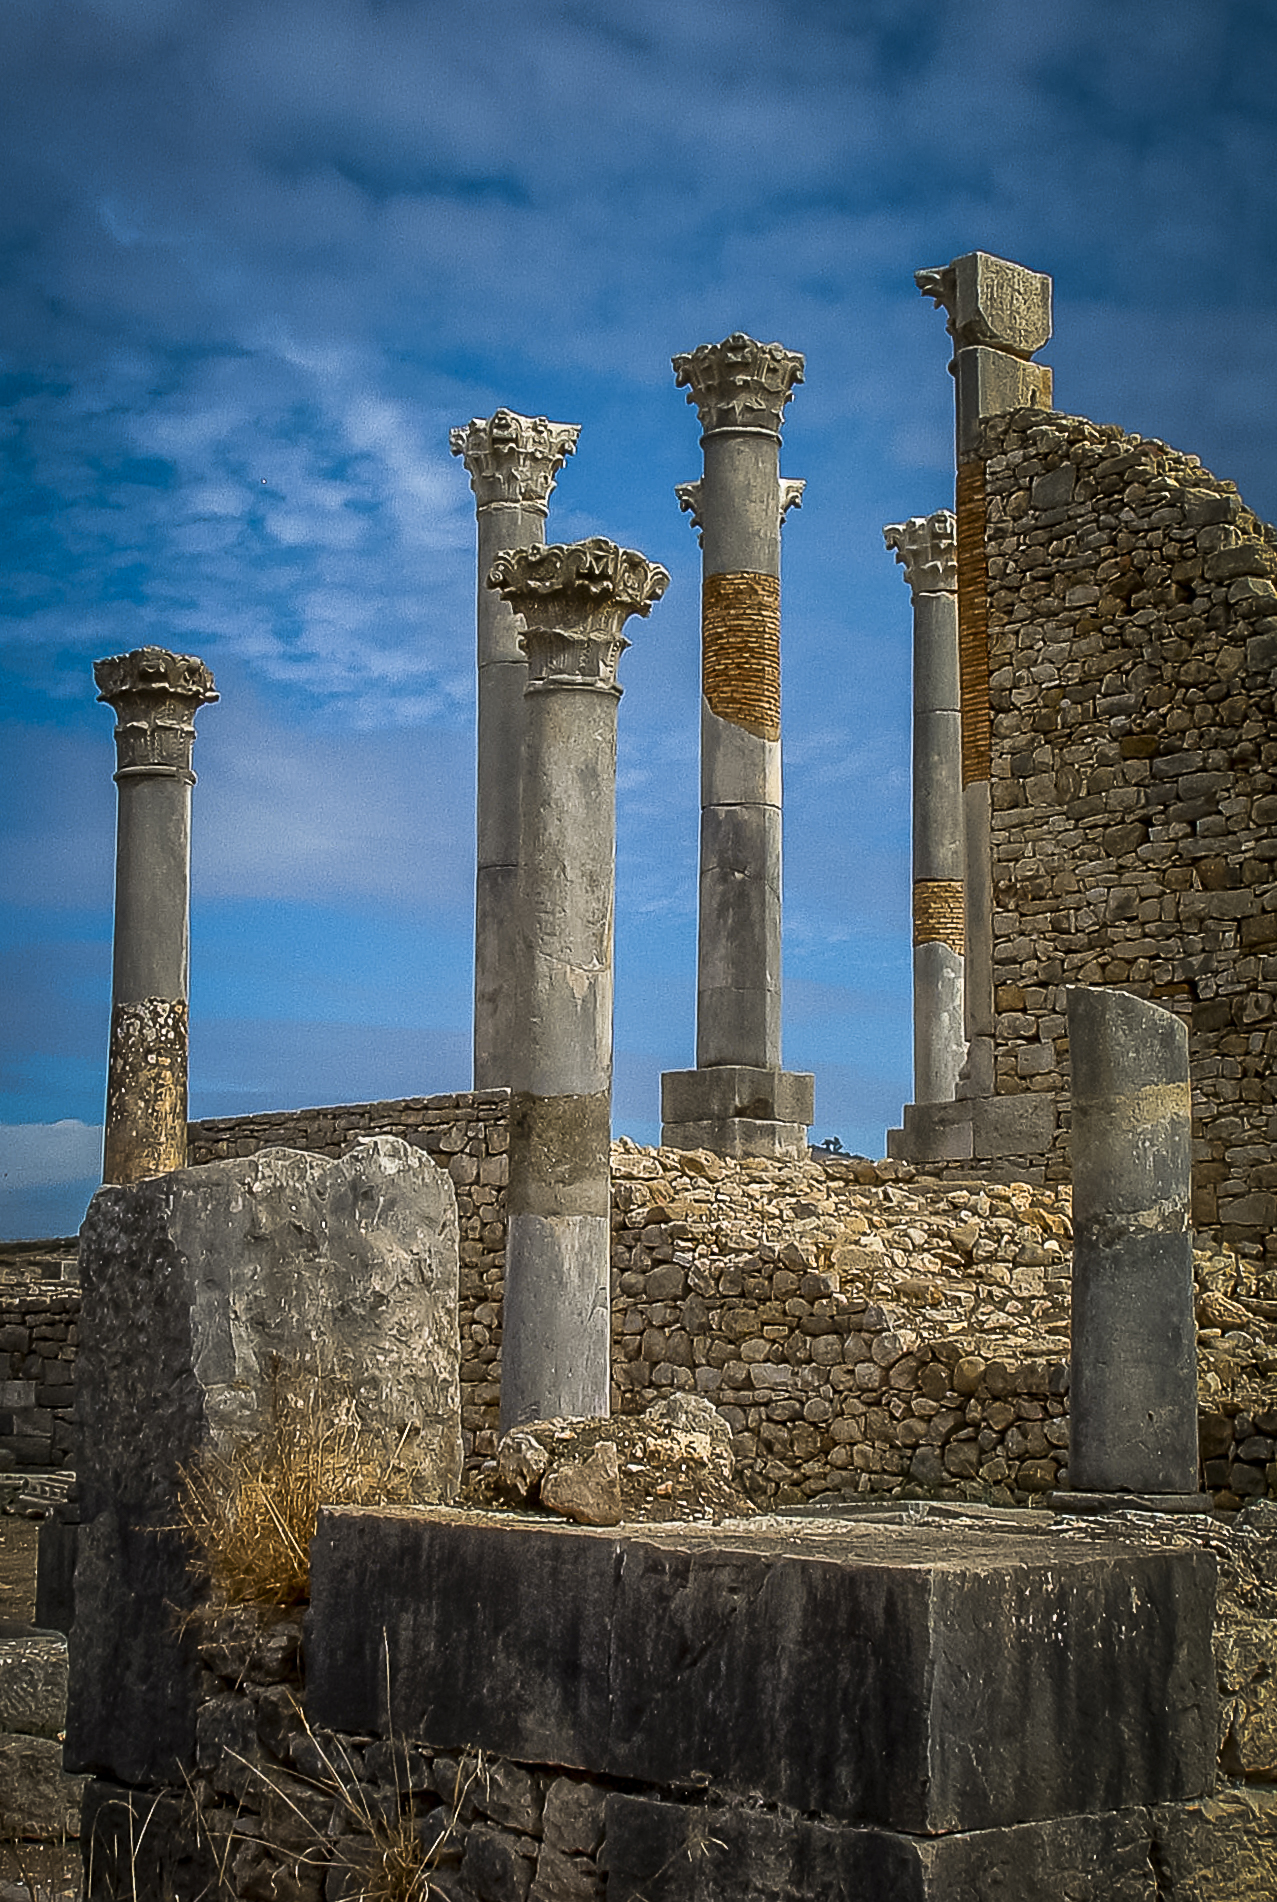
pixel 250 1512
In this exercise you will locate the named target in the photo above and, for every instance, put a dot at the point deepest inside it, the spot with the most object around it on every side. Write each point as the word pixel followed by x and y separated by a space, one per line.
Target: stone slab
pixel 673 1852
pixel 684 1656
pixel 33 1684
pixel 932 1132
pixel 739 1136
pixel 735 1089
pixel 1021 1125
pixel 38 1801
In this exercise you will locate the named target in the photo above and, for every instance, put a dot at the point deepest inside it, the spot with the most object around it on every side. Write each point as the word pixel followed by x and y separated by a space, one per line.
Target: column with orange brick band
pixel 926 546
pixel 155 695
pixel 512 461
pixel 739 1100
pixel 999 315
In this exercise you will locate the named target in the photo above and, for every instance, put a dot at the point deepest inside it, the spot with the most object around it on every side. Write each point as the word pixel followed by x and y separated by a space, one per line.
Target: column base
pixel 736 1109
pixel 976 1129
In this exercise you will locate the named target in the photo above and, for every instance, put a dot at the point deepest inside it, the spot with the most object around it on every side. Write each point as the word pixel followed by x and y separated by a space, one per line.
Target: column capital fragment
pixel 513 458
pixel 991 302
pixel 739 383
pixel 926 546
pixel 574 598
pixel 155 695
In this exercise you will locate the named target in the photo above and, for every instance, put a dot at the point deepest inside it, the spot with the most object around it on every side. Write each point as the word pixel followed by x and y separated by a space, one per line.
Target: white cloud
pixel 42 1155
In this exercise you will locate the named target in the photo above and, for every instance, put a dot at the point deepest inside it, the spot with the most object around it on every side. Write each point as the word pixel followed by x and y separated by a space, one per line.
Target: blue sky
pixel 259 258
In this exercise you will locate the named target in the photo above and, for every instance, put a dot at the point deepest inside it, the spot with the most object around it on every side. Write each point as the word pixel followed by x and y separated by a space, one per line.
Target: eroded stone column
pixel 738 1100
pixel 573 601
pixel 512 461
pixel 999 315
pixel 155 695
pixel 1133 1383
pixel 926 547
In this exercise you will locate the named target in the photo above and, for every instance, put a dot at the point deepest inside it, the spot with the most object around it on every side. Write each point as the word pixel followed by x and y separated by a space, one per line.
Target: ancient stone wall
pixel 39 1333
pixel 1132 635
pixel 860 1327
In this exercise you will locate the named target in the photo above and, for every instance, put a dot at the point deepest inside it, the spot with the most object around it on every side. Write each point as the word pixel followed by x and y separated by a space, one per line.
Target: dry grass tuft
pixel 250 1513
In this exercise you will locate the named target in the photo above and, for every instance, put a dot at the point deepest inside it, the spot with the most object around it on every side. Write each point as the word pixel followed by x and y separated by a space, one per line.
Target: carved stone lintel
pixel 739 383
pixel 926 546
pixel 791 494
pixel 991 301
pixel 574 599
pixel 513 458
pixel 156 696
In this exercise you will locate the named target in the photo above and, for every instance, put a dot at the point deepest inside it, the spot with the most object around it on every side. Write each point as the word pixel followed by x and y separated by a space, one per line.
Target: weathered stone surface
pixel 588 1492
pixel 33 1685
pixel 522 1463
pixel 685 1853
pixel 943 1643
pixel 37 1799
pixel 1221 1849
pixel 573 1817
pixel 193 1284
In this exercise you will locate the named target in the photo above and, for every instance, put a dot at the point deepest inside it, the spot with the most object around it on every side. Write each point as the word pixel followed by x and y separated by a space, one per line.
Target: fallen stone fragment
pixel 587 1492
pixel 522 1462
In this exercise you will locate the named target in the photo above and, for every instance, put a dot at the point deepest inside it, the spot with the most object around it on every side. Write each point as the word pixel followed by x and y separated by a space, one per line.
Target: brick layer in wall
pixel 937 912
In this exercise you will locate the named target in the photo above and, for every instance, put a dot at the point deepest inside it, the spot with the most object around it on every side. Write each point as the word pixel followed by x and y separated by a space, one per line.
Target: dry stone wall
pixel 1132 631
pixel 862 1328
pixel 39 1334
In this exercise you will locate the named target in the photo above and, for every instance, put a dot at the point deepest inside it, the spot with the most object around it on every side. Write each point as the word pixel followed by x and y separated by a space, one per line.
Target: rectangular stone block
pixel 933 1132
pixel 925 1680
pixel 1021 1125
pixel 673 1852
pixel 733 1089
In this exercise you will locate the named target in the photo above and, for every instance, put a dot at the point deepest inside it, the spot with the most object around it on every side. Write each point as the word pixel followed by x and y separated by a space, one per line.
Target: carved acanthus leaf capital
pixel 574 599
pixel 791 494
pixel 991 302
pixel 156 696
pixel 739 383
pixel 926 546
pixel 689 500
pixel 512 458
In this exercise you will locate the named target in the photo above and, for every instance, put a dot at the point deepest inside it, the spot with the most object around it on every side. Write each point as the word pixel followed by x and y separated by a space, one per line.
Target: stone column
pixel 1133 1384
pixel 573 600
pixel 738 1100
pixel 155 695
pixel 999 315
pixel 512 462
pixel 926 547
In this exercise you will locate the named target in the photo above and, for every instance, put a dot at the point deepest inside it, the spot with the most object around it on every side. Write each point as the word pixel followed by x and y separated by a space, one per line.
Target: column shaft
pixel 512 461
pixel 738 1100
pixel 556 1351
pixel 1133 1385
pixel 155 695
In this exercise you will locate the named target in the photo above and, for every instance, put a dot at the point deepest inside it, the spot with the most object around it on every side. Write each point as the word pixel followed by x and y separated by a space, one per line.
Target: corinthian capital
pixel 739 383
pixel 927 548
pixel 155 695
pixel 992 302
pixel 514 458
pixel 574 599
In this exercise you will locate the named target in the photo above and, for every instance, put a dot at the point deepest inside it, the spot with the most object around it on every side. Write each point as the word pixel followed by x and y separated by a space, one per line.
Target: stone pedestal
pixel 512 462
pixel 740 389
pixel 999 314
pixel 1133 1384
pixel 155 695
pixel 926 547
pixel 556 1342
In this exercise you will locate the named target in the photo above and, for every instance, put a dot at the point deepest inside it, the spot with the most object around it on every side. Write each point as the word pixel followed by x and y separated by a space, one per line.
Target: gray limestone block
pixel 933 1132
pixel 732 1089
pixel 739 1136
pixel 196 1285
pixel 997 302
pixel 140 1844
pixel 1021 1125
pixel 739 504
pixel 38 1800
pixel 738 768
pixel 988 383
pixel 700 1656
pixel 672 1852
pixel 33 1685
